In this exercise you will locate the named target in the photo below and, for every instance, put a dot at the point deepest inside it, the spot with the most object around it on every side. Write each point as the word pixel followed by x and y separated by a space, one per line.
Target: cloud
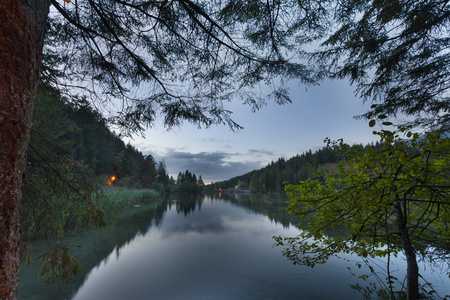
pixel 261 152
pixel 216 141
pixel 212 166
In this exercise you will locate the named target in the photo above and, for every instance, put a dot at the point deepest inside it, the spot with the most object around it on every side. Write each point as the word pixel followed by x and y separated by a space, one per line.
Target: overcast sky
pixel 275 131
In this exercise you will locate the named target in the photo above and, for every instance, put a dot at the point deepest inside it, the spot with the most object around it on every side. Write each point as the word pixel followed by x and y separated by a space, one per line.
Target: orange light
pixel 67 1
pixel 111 179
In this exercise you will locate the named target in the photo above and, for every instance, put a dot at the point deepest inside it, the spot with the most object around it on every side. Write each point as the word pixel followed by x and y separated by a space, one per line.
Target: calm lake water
pixel 202 247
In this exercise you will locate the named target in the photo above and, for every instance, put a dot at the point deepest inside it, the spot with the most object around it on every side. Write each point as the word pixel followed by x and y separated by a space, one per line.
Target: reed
pixel 112 201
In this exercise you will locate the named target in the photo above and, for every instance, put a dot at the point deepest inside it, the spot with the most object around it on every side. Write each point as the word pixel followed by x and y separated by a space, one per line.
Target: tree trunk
pixel 21 38
pixel 412 272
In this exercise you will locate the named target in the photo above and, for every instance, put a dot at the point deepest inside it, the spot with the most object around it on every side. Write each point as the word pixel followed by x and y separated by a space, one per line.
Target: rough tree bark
pixel 22 29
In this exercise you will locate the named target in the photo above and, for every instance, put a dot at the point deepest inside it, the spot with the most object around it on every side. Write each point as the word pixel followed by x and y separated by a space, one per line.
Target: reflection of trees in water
pixel 96 245
pixel 376 282
pixel 186 203
pixel 383 279
pixel 273 206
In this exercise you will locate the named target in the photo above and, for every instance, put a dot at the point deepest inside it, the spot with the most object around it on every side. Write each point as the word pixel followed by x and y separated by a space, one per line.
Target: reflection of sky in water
pixel 219 252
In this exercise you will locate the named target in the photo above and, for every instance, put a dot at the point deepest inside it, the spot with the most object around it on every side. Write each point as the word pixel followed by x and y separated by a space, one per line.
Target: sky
pixel 275 131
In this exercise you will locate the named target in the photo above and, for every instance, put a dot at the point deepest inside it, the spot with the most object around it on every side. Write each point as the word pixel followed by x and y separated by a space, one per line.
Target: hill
pixel 274 176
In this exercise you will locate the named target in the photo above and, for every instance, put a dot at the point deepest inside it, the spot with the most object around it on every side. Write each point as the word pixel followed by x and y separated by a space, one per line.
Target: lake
pixel 202 247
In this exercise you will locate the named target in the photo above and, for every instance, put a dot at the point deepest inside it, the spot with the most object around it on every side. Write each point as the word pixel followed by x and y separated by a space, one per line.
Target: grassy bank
pixel 54 216
pixel 113 201
pixel 46 241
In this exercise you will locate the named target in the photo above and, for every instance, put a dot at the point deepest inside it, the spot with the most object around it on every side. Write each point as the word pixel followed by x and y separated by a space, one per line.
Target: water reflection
pixel 200 247
pixel 97 244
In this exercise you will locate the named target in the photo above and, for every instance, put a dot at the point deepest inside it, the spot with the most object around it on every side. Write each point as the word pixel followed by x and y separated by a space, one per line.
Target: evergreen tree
pixel 200 182
pixel 255 185
pixel 161 173
pixel 110 48
pixel 396 53
pixel 148 173
pixel 180 178
pixel 107 49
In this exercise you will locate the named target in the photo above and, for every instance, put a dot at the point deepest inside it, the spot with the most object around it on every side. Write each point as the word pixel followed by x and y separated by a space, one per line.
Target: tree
pixel 396 53
pixel 148 171
pixel 240 185
pixel 128 161
pixel 95 146
pixel 254 185
pixel 187 54
pixel 200 182
pixel 389 200
pixel 57 188
pixel 188 183
pixel 195 56
pixel 20 55
pixel 180 178
pixel 161 173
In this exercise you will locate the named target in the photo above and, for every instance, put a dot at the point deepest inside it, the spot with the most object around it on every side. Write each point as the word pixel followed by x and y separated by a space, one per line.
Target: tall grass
pixel 113 200
pixel 54 215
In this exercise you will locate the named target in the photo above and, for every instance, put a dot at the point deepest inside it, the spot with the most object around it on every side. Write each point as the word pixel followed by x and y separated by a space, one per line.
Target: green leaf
pixel 372 123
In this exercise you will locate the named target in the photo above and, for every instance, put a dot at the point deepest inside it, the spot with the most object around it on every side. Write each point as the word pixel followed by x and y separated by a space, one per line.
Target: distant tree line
pixel 273 177
pixel 187 182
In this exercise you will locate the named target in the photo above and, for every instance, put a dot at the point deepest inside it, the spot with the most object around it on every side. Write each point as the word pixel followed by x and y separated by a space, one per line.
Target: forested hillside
pixel 71 133
pixel 274 176
pixel 72 148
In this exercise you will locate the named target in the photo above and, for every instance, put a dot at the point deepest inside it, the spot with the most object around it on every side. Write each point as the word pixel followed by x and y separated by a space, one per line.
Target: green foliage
pixel 71 154
pixel 112 200
pixel 378 293
pixel 254 184
pixel 187 183
pixel 180 60
pixel 57 188
pixel 57 261
pixel 396 53
pixel 59 265
pixel 148 171
pixel 401 190
pixel 200 182
pixel 362 199
pixel 161 174
pixel 79 133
